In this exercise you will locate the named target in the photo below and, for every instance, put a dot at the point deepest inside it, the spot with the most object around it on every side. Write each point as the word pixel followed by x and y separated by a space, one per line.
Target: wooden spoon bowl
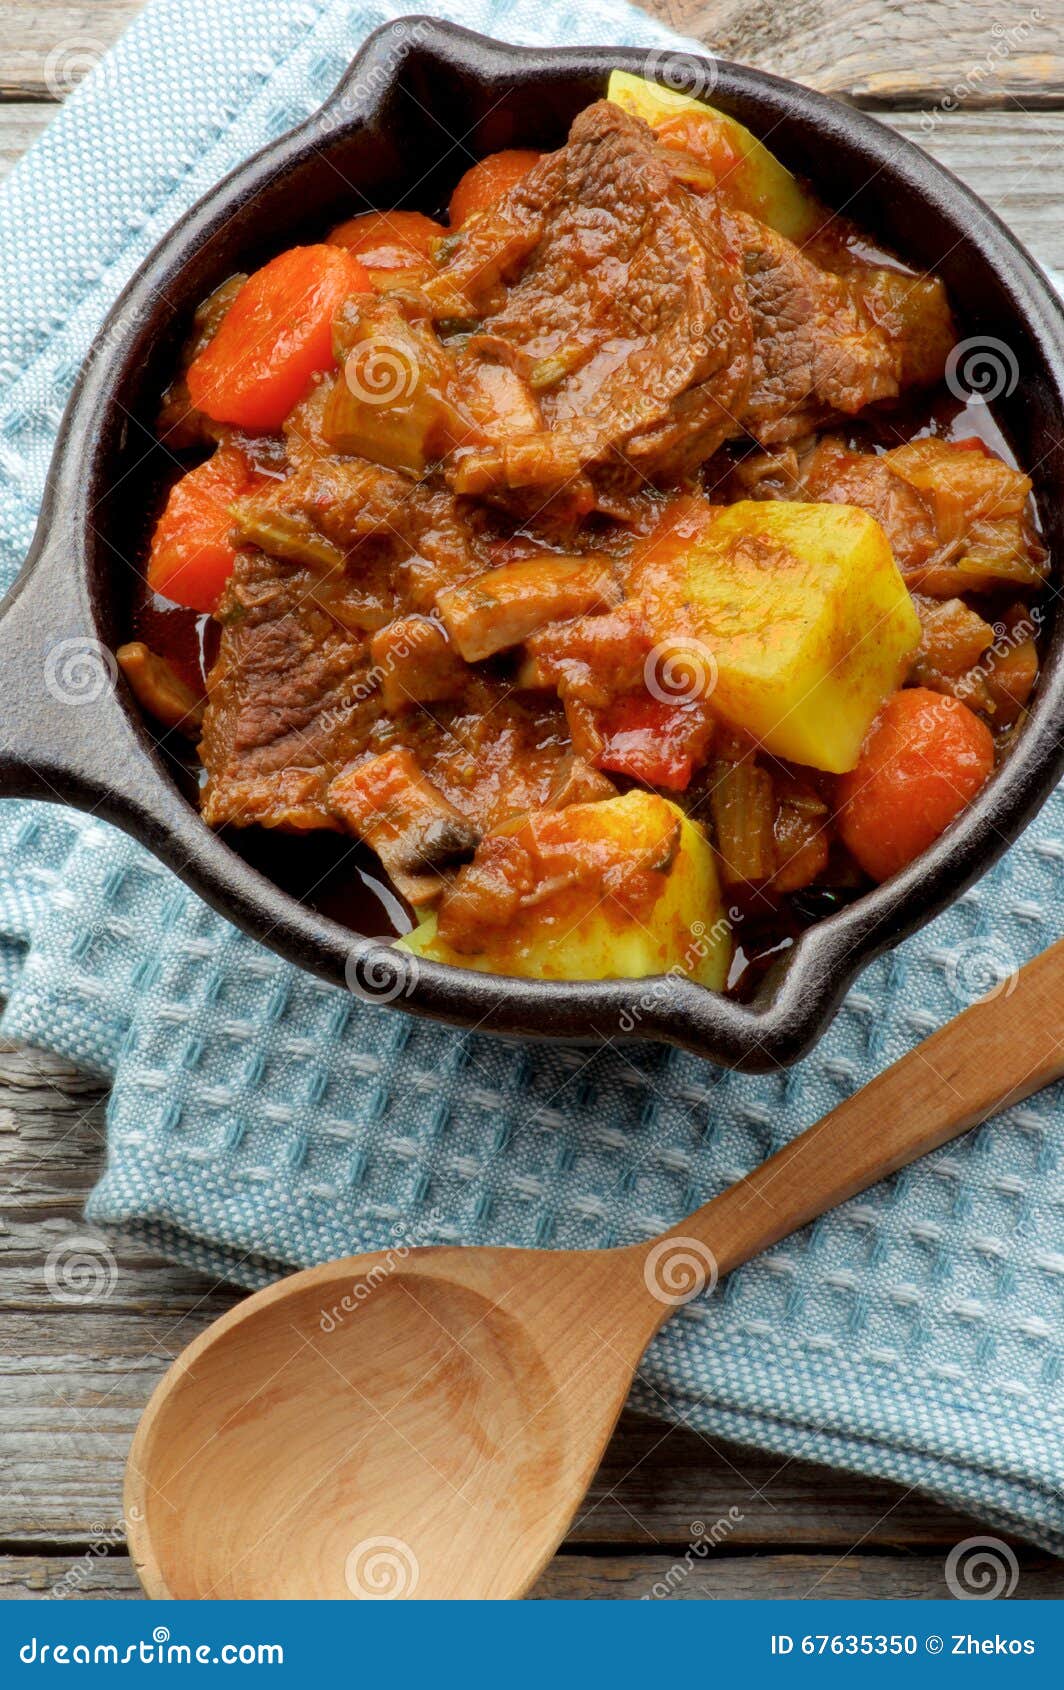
pixel 381 1425
pixel 426 1422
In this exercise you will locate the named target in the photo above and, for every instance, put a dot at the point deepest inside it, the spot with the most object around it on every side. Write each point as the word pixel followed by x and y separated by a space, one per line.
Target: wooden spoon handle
pixel 998 1052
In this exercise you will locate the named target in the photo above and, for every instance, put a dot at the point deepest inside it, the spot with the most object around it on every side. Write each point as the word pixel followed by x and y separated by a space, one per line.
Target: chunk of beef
pixel 294 700
pixel 578 783
pixel 417 834
pixel 827 345
pixel 505 606
pixel 621 302
pixel 291 702
pixel 957 517
pixel 394 535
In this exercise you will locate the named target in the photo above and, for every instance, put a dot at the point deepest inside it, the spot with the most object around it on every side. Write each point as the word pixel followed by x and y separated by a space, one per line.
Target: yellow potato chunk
pixel 796 613
pixel 625 887
pixel 745 172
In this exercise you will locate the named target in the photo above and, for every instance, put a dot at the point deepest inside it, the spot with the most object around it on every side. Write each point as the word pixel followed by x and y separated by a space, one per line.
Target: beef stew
pixel 608 562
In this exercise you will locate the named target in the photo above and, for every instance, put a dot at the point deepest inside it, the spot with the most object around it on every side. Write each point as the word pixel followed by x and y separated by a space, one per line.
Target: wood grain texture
pixel 47 46
pixel 93 1576
pixel 20 124
pixel 74 1380
pixel 1015 162
pixel 979 53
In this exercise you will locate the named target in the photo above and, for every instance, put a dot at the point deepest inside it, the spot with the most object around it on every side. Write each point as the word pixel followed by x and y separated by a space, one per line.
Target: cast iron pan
pixel 416 85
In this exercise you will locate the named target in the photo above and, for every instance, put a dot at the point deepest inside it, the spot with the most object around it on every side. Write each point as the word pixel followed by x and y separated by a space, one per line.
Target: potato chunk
pixel 625 887
pixel 745 172
pixel 798 612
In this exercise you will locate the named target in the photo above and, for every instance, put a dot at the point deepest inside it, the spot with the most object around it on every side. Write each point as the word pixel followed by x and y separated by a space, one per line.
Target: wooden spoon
pixel 425 1423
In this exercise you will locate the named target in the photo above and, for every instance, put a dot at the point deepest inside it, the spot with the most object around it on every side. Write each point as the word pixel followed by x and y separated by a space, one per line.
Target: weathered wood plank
pixel 20 125
pixel 92 1576
pixel 667 1484
pixel 75 1378
pixel 46 48
pixel 89 1577
pixel 1014 162
pixel 890 52
pixel 776 1577
pixel 1004 53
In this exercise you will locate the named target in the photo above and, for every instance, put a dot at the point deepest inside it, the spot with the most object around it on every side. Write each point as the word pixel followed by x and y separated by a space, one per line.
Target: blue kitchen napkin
pixel 261 1120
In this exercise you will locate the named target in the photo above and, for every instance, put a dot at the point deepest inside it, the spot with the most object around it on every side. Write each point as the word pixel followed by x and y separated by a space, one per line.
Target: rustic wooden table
pixel 980 83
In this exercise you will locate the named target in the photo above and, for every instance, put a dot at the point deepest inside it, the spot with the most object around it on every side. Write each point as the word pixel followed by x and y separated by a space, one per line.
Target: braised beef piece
pixel 295 700
pixel 510 603
pixel 827 345
pixel 618 298
pixel 290 698
pixel 389 530
pixel 957 517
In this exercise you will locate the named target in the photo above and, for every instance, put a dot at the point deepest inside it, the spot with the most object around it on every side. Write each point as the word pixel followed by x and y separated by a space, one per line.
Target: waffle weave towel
pixel 260 1120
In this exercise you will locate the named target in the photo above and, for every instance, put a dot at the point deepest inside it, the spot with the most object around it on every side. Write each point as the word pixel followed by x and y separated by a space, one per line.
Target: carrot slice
pixel 275 337
pixel 485 183
pixel 191 558
pixel 388 240
pixel 924 759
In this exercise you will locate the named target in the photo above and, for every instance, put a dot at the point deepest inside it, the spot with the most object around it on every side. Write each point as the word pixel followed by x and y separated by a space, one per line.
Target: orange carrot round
pixel 275 337
pixel 485 183
pixel 924 759
pixel 191 558
pixel 388 240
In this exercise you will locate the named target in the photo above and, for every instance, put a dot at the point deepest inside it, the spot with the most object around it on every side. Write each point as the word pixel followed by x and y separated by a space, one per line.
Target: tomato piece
pixel 275 337
pixel 652 741
pixel 485 183
pixel 925 757
pixel 191 558
pixel 389 240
